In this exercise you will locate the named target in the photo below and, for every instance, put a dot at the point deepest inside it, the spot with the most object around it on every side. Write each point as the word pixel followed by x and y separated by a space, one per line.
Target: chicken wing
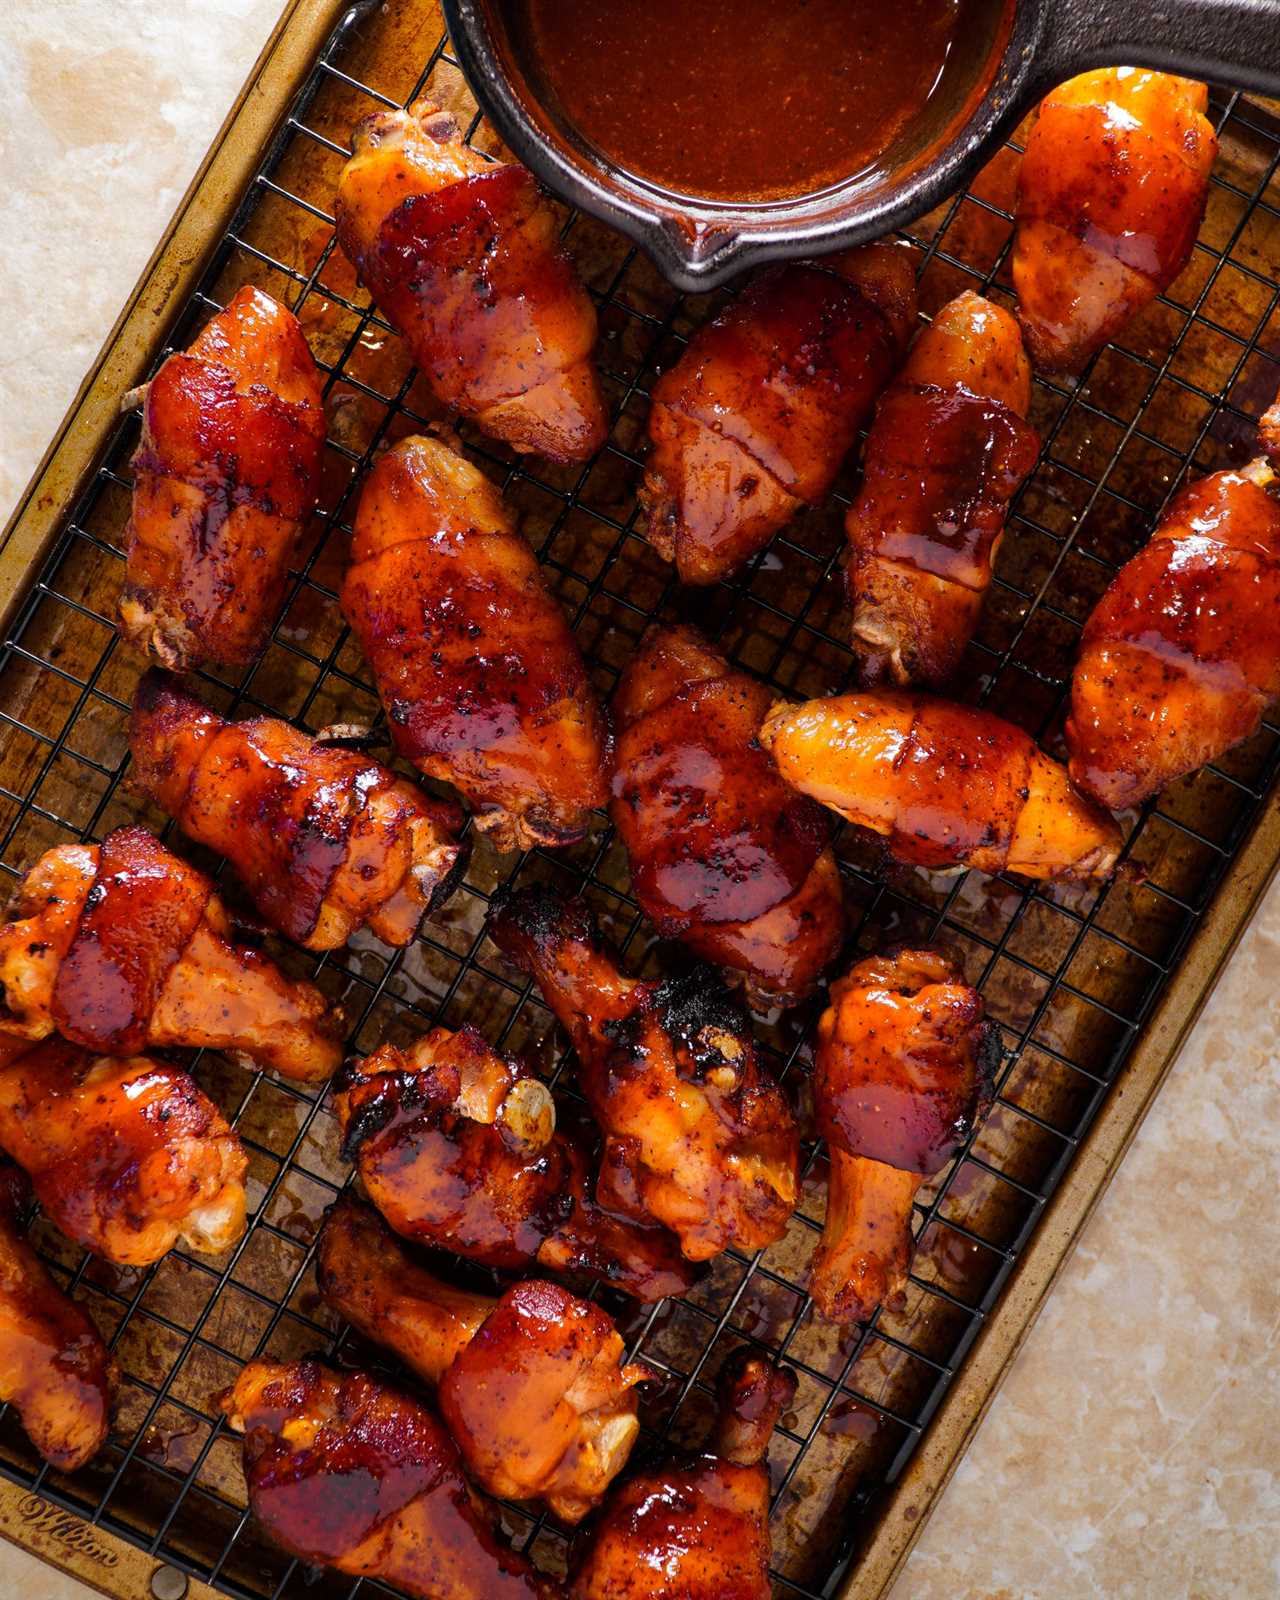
pixel 697 1135
pixel 344 1472
pixel 755 418
pixel 128 1157
pixel 481 678
pixel 531 1385
pixel 325 840
pixel 1181 655
pixel 904 1069
pixel 227 471
pixel 867 1243
pixel 723 855
pixel 1111 195
pixel 948 786
pixel 54 1368
pixel 949 447
pixel 458 1148
pixel 463 257
pixel 121 946
pixel 701 1531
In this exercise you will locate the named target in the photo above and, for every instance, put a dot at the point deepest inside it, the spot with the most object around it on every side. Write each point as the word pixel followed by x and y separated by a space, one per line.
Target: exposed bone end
pixel 217 1226
pixel 528 1113
pixel 354 735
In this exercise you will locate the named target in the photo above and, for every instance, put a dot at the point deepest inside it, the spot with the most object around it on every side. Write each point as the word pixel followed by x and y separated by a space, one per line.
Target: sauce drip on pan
pixel 740 99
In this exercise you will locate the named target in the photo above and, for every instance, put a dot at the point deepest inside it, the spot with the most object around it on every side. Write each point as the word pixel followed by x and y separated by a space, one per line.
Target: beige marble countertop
pixel 1132 1452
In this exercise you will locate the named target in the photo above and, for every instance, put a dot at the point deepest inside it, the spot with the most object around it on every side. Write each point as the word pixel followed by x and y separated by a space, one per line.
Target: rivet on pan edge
pixel 168 1583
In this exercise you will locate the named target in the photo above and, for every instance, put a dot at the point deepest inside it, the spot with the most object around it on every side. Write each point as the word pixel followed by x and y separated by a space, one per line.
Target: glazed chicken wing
pixel 481 678
pixel 1181 655
pixel 343 1472
pixel 458 1148
pixel 122 946
pixel 697 1135
pixel 226 473
pixel 755 418
pixel 867 1243
pixel 54 1368
pixel 701 1531
pixel 128 1157
pixel 463 257
pixel 1110 198
pixel 947 786
pixel 904 1069
pixel 949 447
pixel 531 1385
pixel 325 840
pixel 723 855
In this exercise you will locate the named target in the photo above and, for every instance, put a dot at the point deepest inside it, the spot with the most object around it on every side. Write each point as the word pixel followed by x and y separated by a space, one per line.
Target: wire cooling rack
pixel 1071 973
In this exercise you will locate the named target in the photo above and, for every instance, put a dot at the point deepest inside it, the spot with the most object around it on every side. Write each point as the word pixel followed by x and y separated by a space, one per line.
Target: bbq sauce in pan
pixel 749 100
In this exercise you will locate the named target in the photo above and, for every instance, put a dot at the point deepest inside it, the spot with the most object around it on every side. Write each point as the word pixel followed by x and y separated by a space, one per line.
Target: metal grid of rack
pixel 1070 973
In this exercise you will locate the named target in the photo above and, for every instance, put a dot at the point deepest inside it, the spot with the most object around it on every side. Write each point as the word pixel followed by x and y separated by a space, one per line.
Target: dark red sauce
pixel 745 99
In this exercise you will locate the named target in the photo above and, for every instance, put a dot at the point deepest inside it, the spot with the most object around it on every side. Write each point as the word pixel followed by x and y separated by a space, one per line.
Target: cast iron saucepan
pixel 1030 46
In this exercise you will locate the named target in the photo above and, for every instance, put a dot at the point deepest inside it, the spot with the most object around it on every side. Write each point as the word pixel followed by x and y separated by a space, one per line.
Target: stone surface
pixel 105 113
pixel 1132 1452
pixel 1133 1449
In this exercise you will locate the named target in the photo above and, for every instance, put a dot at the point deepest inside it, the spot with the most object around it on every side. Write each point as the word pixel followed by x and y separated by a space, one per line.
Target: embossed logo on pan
pixel 41 1517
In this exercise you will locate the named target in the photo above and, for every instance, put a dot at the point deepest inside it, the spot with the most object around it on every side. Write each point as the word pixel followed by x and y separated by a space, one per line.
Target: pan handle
pixel 1232 42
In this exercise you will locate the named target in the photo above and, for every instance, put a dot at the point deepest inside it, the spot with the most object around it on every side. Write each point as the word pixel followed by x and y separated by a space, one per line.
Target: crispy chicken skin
pixel 54 1368
pixel 224 478
pixel 480 675
pixel 947 786
pixel 122 946
pixel 458 1148
pixel 904 1069
pixel 326 840
pixel 344 1472
pixel 699 1531
pixel 366 1275
pixel 697 1135
pixel 723 855
pixel 1111 195
pixel 949 447
pixel 531 1385
pixel 755 418
pixel 463 257
pixel 128 1157
pixel 1181 655
pixel 540 1402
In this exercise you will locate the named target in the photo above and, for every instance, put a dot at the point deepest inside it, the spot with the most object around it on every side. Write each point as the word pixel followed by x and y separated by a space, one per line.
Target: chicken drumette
pixel 697 1135
pixel 344 1472
pixel 1111 194
pixel 128 1157
pixel 948 449
pixel 904 1069
pixel 226 472
pixel 753 421
pixel 723 855
pixel 1181 655
pixel 531 1385
pixel 54 1368
pixel 458 1148
pixel 701 1531
pixel 481 678
pixel 122 946
pixel 463 256
pixel 325 839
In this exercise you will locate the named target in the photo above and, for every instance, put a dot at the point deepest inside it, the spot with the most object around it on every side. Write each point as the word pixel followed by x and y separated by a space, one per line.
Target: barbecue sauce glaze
pixel 739 100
